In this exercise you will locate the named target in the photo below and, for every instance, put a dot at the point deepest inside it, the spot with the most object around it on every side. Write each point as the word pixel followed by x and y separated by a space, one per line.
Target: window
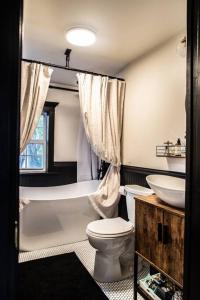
pixel 38 155
pixel 34 156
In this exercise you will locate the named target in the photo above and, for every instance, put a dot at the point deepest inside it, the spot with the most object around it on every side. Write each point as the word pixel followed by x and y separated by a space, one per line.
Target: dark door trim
pixel 192 229
pixel 11 17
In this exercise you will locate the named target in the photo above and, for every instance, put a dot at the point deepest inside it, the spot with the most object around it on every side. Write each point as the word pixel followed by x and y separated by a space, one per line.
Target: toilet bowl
pixel 113 240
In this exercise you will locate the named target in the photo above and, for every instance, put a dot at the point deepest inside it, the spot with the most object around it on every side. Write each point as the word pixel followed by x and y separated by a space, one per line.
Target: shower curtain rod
pixel 70 69
pixel 62 88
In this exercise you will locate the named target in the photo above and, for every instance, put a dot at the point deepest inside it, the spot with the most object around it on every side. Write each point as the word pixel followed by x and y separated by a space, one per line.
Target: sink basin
pixel 169 189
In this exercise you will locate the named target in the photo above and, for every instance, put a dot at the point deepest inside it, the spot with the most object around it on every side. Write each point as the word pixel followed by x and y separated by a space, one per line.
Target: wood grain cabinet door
pixel 149 231
pixel 173 246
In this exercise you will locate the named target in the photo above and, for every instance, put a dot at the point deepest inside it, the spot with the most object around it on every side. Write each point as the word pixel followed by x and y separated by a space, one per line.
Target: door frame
pixel 192 211
pixel 11 17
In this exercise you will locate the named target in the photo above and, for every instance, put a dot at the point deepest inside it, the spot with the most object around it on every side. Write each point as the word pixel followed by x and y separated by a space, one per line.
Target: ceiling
pixel 125 30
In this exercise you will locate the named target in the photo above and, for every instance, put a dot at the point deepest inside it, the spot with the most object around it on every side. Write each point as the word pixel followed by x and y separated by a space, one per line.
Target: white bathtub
pixel 56 215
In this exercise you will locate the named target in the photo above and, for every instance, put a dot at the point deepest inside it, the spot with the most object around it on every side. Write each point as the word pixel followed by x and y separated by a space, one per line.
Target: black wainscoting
pixel 137 175
pixel 60 174
pixel 66 172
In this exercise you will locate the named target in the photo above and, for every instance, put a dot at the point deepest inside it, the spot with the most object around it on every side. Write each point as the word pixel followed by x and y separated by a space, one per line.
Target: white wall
pixel 67 116
pixel 154 110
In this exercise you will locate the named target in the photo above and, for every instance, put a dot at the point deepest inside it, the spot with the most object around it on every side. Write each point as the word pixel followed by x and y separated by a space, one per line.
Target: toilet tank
pixel 130 192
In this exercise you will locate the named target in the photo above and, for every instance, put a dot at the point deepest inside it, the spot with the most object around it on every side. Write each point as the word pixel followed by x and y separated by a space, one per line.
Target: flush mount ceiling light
pixel 80 36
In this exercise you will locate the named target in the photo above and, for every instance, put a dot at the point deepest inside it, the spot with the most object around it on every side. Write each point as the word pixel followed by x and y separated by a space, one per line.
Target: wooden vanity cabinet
pixel 159 233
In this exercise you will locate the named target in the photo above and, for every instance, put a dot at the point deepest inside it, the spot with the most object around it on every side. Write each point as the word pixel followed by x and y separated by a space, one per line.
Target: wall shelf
pixel 171 151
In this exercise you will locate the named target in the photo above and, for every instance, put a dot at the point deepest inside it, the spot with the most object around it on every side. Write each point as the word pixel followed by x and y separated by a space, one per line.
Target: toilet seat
pixel 109 228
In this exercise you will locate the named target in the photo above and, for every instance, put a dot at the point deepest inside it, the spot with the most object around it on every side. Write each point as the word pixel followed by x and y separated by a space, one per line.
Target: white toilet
pixel 114 240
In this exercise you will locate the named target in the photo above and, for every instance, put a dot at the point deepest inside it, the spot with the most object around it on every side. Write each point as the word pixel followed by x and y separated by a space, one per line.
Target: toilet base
pixel 113 266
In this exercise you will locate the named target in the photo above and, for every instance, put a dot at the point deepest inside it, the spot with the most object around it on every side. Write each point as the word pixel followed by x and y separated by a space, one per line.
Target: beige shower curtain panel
pixel 101 102
pixel 35 81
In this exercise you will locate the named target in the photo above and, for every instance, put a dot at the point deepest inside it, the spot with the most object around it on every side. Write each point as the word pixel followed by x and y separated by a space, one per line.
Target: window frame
pixel 49 110
pixel 42 142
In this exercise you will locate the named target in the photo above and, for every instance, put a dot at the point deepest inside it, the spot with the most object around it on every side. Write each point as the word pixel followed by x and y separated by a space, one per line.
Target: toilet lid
pixel 110 227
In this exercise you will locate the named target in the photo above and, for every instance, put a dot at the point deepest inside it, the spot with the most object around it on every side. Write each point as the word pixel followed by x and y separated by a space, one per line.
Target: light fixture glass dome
pixel 80 37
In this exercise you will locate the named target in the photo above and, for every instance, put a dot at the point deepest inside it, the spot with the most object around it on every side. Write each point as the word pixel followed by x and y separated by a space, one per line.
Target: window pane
pixel 22 161
pixel 39 131
pixel 24 152
pixel 41 121
pixel 35 149
pixel 38 134
pixel 35 162
pixel 34 155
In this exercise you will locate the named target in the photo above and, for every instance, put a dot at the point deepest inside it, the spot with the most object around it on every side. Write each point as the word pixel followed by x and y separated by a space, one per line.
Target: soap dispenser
pixel 177 148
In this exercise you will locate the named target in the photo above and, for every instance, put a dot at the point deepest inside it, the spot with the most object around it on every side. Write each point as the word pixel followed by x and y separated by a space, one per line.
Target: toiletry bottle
pixel 169 148
pixel 183 147
pixel 177 148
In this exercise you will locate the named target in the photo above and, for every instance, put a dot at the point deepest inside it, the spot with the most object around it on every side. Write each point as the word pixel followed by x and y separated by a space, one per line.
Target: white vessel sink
pixel 169 189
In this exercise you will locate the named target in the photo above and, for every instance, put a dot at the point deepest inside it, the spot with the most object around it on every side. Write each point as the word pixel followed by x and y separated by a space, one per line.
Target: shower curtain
pixel 101 103
pixel 34 87
pixel 35 79
pixel 87 161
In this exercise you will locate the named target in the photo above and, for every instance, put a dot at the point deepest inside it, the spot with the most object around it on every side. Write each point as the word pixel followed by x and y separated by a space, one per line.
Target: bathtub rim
pixel 58 186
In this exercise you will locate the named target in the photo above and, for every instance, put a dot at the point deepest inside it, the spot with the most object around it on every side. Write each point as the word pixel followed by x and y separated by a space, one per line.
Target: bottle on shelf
pixel 169 149
pixel 177 148
pixel 183 147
